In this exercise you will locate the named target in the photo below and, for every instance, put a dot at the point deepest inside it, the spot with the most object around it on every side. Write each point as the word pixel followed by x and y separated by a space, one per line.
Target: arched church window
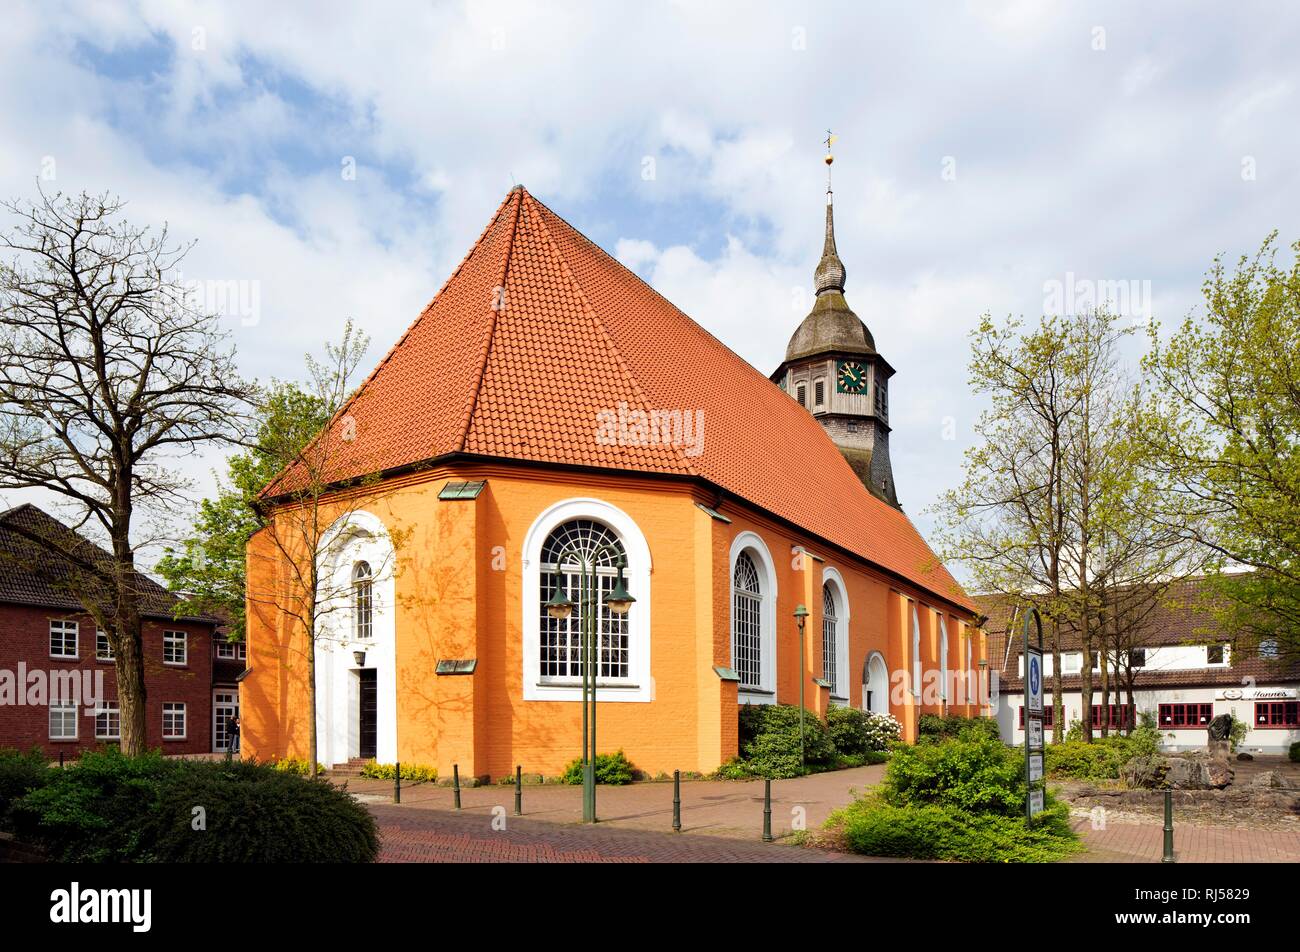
pixel 747 622
pixel 830 637
pixel 569 547
pixel 363 601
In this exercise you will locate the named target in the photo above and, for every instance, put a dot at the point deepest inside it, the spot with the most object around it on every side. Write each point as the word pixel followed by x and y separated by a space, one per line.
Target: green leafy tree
pixel 1222 424
pixel 210 567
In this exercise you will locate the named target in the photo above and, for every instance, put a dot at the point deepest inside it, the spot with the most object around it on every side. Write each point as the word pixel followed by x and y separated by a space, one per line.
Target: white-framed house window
pixel 108 721
pixel 363 601
pixel 176 648
pixel 63 721
pixel 173 714
pixel 103 649
pixel 552 660
pixel 232 650
pixel 1071 663
pixel 1216 655
pixel 63 639
pixel 753 618
pixel 835 634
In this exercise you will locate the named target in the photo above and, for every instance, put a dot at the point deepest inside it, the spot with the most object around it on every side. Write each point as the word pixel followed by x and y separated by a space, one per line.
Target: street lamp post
pixel 801 616
pixel 560 606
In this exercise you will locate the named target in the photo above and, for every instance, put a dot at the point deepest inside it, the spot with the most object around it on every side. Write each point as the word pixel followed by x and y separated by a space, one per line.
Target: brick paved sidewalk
pixel 1144 843
pixel 421 835
pixel 713 808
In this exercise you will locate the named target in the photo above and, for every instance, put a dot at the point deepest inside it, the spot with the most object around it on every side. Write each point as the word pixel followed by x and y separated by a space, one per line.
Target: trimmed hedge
pixel 931 727
pixel 113 808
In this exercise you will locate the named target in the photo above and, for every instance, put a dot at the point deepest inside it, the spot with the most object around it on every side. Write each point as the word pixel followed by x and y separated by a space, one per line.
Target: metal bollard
pixel 677 801
pixel 519 790
pixel 1169 828
pixel 767 810
pixel 397 783
pixel 455 783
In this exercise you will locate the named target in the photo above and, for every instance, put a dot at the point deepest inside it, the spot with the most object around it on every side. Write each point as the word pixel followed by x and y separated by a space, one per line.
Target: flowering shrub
pixel 857 732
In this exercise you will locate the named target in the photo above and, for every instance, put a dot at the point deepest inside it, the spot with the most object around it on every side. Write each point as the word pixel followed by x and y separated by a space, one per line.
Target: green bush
pixel 20 773
pixel 961 798
pixel 612 769
pixel 1294 753
pixel 857 732
pixel 974 773
pixel 769 740
pixel 875 827
pixel 256 815
pixel 932 727
pixel 1102 759
pixel 416 773
pixel 113 808
pixel 297 766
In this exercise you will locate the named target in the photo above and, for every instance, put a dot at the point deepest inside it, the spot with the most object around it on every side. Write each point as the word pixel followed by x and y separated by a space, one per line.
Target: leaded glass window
pixel 830 637
pixel 577 542
pixel 747 622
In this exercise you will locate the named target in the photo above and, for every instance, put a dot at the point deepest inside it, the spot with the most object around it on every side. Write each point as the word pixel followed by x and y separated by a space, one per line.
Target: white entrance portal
pixel 875 685
pixel 356 670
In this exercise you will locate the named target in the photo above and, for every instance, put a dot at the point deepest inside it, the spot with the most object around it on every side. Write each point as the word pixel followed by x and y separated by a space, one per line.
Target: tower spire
pixel 830 273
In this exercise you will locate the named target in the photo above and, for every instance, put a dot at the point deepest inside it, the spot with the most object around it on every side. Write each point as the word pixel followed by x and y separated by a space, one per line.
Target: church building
pixel 547 409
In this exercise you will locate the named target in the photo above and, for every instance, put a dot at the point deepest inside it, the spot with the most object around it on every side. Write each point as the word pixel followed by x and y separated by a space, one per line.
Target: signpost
pixel 1033 656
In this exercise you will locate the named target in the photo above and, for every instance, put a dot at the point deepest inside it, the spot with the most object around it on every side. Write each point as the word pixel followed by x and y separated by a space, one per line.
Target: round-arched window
pixel 571 546
pixel 363 601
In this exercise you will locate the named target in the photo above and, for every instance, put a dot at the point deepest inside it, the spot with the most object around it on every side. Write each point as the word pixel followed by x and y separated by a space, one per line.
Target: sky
pixel 335 161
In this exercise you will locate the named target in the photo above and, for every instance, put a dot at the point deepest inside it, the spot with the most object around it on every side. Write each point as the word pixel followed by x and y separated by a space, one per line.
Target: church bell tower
pixel 832 368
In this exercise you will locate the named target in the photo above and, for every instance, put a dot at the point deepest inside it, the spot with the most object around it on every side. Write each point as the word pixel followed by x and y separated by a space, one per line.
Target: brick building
pixel 548 407
pixel 51 652
pixel 1187 671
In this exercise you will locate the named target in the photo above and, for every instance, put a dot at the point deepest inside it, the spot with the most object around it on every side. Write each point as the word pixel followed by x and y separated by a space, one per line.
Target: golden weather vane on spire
pixel 830 141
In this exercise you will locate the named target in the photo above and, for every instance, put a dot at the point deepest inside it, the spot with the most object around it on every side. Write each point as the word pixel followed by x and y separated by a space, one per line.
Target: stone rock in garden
pixel 1273 779
pixel 1198 772
pixel 1144 772
pixel 1245 756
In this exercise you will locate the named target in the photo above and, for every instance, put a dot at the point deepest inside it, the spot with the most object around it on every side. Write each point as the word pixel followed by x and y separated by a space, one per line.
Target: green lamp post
pixel 800 617
pixel 560 606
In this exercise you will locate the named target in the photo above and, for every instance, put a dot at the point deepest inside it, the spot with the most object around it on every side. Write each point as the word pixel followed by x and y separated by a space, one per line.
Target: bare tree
pixel 108 373
pixel 303 508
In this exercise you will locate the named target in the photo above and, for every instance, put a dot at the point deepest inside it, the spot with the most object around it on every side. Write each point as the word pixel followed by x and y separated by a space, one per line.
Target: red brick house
pixel 51 653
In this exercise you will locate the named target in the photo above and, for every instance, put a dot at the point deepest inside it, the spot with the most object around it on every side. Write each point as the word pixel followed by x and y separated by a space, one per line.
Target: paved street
pixel 721 822
pixel 413 835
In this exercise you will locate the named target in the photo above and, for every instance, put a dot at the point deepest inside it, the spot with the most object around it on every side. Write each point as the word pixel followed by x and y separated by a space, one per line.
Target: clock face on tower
pixel 852 377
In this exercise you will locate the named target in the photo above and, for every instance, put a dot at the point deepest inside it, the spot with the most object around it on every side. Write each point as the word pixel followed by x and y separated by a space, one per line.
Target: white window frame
pixel 752 544
pixel 107 653
pixel 63 710
pixel 64 626
pixel 1071 663
pixel 107 709
pixel 362 599
pixel 184 712
pixel 1227 657
pixel 639 686
pixel 831 576
pixel 238 650
pixel 169 640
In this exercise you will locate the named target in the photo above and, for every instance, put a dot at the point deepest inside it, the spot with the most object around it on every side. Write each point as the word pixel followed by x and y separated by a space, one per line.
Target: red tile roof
pixel 539 330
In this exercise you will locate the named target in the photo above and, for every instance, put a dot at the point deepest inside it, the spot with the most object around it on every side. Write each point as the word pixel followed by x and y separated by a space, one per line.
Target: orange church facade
pixel 440 651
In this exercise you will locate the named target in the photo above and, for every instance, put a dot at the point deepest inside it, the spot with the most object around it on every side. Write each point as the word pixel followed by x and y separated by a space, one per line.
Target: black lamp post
pixel 800 617
pixel 560 606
